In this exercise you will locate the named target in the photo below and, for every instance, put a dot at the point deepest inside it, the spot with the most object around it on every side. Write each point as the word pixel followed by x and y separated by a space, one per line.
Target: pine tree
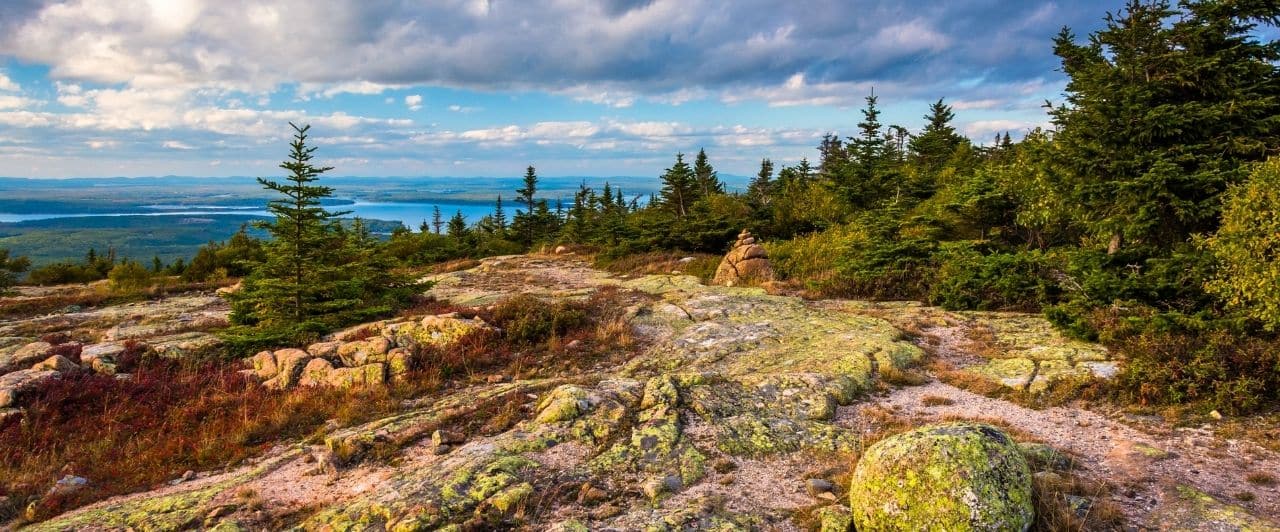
pixel 458 225
pixel 299 281
pixel 10 267
pixel 760 191
pixel 704 174
pixel 679 188
pixel 437 221
pixel 934 145
pixel 528 225
pixel 499 216
pixel 1164 108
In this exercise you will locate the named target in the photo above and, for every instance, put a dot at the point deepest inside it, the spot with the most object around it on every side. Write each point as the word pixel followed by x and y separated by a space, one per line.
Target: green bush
pixel 1247 247
pixel 968 279
pixel 129 276
pixel 528 320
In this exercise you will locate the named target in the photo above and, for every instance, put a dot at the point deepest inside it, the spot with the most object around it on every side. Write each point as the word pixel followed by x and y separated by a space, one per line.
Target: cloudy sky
pixel 484 87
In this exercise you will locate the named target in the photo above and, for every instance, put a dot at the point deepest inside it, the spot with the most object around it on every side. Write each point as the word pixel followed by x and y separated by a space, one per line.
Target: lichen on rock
pixel 955 476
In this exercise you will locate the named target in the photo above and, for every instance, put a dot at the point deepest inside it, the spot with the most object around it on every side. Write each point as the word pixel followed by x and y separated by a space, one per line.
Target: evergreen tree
pixel 760 191
pixel 704 174
pixel 157 265
pixel 934 145
pixel 298 280
pixel 679 188
pixel 1163 108
pixel 10 267
pixel 313 275
pixel 499 216
pixel 458 225
pixel 437 221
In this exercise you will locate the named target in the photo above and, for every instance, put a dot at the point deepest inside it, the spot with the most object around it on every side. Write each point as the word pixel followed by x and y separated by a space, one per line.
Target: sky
pixel 95 88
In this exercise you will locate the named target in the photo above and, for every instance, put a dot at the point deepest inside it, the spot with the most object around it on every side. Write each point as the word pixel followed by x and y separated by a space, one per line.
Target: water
pixel 410 214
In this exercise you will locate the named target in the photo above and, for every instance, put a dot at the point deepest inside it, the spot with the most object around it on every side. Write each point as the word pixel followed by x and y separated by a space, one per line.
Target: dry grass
pixel 1052 496
pixel 703 266
pixel 903 377
pixel 126 435
pixel 1261 478
pixel 95 295
pixel 934 400
pixel 453 266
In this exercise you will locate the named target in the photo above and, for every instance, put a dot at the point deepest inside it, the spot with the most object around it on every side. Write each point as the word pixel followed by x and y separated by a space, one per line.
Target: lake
pixel 410 214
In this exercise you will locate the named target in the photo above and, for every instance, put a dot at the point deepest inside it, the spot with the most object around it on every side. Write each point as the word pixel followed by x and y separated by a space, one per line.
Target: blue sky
pixel 485 87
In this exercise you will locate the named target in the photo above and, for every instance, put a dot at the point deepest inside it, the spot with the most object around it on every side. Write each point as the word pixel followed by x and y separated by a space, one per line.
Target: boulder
pixel 57 363
pixel 109 350
pixel 954 476
pixel 264 365
pixel 316 373
pixel 747 264
pixel 437 331
pixel 324 349
pixel 367 375
pixel 398 362
pixel 361 352
pixel 26 355
pixel 290 363
pixel 14 384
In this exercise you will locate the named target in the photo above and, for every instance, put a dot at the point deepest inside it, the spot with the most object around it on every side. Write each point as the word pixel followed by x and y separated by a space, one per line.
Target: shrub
pixel 968 279
pixel 129 276
pixel 1177 359
pixel 1247 247
pixel 63 273
pixel 528 320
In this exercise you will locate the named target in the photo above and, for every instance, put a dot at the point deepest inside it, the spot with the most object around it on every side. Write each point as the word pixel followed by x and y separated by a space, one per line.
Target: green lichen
pixel 956 476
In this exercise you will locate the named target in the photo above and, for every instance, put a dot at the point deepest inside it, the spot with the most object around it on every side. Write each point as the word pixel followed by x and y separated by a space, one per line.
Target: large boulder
pixel 746 264
pixel 316 373
pixel 26 355
pixel 366 375
pixel 14 384
pixel 954 476
pixel 57 363
pixel 290 363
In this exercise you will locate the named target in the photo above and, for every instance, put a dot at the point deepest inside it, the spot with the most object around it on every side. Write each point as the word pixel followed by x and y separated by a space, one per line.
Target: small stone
pixel 57 363
pixel 606 511
pixel 818 486
pixel 574 344
pixel 1215 414
pixel 495 379
pixel 189 476
pixel 656 487
pixel 728 478
pixel 447 437
pixel 560 250
pixel 589 494
pixel 68 484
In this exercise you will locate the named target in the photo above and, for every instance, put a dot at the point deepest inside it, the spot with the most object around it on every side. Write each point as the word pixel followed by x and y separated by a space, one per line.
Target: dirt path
pixel 1145 461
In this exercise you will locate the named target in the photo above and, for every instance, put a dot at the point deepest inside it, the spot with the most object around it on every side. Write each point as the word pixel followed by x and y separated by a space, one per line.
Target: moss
pixel 562 404
pixel 505 501
pixel 170 512
pixel 1150 452
pixel 956 476
pixel 1187 508
pixel 834 519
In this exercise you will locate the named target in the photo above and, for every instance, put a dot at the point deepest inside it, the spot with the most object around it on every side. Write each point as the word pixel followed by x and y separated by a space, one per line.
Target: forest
pixel 1147 217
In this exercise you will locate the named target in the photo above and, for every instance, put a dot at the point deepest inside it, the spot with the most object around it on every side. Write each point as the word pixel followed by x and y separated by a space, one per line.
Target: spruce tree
pixel 760 191
pixel 458 225
pixel 297 281
pixel 937 141
pixel 437 221
pixel 1163 109
pixel 679 188
pixel 527 224
pixel 704 175
pixel 10 267
pixel 499 216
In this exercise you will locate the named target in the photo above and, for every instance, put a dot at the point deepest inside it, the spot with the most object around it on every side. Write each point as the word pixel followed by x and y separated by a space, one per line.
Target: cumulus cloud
pixel 413 101
pixel 8 85
pixel 653 47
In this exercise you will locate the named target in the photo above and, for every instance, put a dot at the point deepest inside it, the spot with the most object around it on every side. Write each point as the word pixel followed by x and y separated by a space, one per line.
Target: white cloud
pixel 464 109
pixel 15 102
pixel 177 145
pixel 7 84
pixel 414 101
